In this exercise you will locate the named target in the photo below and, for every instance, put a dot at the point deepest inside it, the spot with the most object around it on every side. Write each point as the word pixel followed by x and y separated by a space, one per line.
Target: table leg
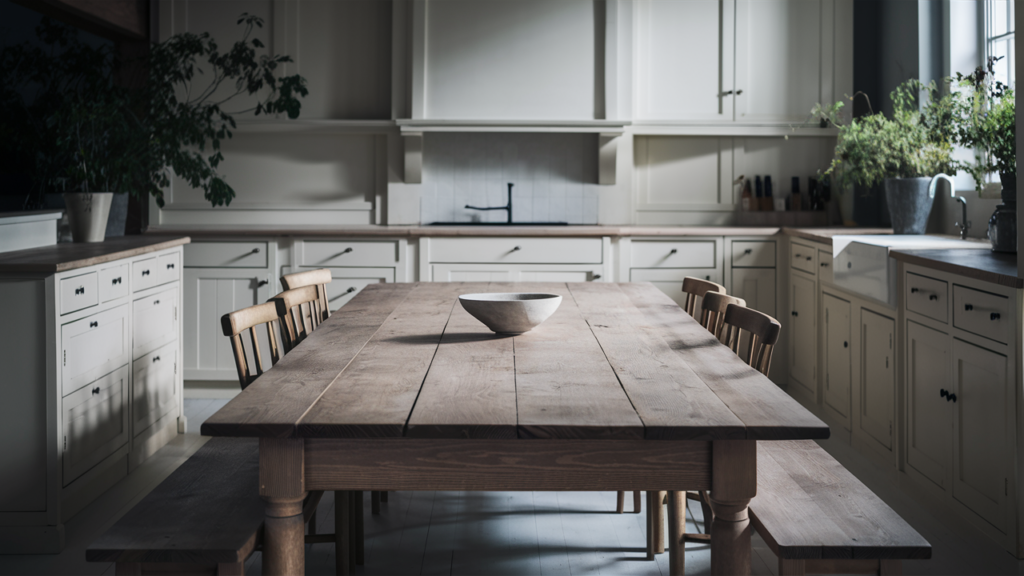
pixel 342 532
pixel 733 484
pixel 283 490
pixel 676 533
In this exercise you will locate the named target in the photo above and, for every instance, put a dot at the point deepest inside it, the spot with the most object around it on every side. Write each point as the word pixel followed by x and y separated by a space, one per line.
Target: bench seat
pixel 819 518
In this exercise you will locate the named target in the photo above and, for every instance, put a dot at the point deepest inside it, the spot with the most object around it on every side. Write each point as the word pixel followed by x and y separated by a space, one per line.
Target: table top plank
pixel 765 409
pixel 275 402
pixel 671 400
pixel 375 394
pixel 565 387
pixel 470 390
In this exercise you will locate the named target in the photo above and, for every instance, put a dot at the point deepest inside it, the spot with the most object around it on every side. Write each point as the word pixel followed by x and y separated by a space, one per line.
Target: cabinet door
pixel 93 346
pixel 780 60
pixel 836 355
pixel 981 422
pixel 685 59
pixel 803 333
pixel 209 293
pixel 929 429
pixel 154 389
pixel 756 286
pixel 95 423
pixel 877 376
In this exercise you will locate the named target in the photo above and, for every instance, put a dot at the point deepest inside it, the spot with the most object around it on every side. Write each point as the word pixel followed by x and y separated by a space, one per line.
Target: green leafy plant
pixel 983 117
pixel 83 118
pixel 909 144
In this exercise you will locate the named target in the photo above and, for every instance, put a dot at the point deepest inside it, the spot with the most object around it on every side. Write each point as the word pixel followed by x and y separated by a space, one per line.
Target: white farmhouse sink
pixel 861 263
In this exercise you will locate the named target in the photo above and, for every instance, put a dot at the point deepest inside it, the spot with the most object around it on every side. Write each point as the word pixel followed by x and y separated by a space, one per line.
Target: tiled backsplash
pixel 555 177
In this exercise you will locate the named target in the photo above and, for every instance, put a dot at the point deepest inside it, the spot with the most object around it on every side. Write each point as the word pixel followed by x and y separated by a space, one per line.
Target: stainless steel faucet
pixel 963 224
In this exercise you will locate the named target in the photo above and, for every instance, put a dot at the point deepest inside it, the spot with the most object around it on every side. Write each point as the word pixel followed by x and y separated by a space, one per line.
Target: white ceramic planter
pixel 87 215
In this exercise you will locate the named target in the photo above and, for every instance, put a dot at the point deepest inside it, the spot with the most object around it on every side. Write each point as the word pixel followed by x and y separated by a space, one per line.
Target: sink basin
pixel 861 263
pixel 498 224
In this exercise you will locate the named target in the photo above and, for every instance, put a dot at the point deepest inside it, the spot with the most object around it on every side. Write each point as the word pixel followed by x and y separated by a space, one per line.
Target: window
pixel 999 40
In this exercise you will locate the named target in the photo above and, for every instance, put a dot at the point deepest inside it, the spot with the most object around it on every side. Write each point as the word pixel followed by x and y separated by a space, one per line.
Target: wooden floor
pixel 456 533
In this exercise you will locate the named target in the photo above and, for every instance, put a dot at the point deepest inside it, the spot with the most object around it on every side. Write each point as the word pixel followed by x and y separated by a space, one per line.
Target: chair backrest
pixel 764 334
pixel 301 312
pixel 247 320
pixel 712 310
pixel 697 288
pixel 319 278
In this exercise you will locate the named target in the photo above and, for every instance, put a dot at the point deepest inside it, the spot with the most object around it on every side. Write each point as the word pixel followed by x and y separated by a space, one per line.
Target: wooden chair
pixel 712 310
pixel 301 312
pixel 247 320
pixel 319 278
pixel 763 330
pixel 697 288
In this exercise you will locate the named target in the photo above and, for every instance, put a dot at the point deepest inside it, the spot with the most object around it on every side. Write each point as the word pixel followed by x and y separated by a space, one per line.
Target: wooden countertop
pixel 995 267
pixel 63 257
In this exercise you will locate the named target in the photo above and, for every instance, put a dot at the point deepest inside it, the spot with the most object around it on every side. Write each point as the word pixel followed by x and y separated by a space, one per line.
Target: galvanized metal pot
pixel 87 215
pixel 909 204
pixel 1002 226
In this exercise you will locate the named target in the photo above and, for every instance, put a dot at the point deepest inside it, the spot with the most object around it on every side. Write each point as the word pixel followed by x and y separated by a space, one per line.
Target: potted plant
pixel 904 152
pixel 983 118
pixel 96 125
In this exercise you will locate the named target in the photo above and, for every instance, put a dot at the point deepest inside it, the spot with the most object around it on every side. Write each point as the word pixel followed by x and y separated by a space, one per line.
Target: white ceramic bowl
pixel 511 312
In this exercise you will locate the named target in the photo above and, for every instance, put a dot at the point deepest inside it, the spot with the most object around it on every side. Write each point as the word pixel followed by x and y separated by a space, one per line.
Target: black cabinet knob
pixel 933 296
pixel 116 280
pixel 350 290
pixel 824 264
pixel 968 307
pixel 145 272
pixel 673 251
pixel 93 324
pixel 993 316
pixel 515 248
pixel 597 276
pixel 952 397
pixel 156 302
pixel 845 344
pixel 849 264
pixel 748 251
pixel 170 266
pixel 156 358
pixel 808 258
pixel 943 393
pixel 96 390
pixel 794 313
pixel 255 250
pixel 913 290
pixel 346 250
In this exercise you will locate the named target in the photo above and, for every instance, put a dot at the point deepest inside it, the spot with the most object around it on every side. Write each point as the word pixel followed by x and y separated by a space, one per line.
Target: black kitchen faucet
pixel 505 207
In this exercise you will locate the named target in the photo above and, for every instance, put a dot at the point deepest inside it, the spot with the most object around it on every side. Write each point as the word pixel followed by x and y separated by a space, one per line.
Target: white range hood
pixel 862 264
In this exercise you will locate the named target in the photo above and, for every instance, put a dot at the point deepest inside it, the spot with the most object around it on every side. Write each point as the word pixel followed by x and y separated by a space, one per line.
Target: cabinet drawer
pixel 654 254
pixel 95 423
pixel 516 250
pixel 928 297
pixel 92 347
pixel 226 255
pixel 154 387
pixel 753 254
pixel 318 254
pixel 168 268
pixel 802 257
pixel 982 313
pixel 78 292
pixel 155 321
pixel 145 273
pixel 825 265
pixel 113 282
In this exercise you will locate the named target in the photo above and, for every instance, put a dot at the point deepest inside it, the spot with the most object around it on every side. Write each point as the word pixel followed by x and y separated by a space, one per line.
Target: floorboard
pixel 557 534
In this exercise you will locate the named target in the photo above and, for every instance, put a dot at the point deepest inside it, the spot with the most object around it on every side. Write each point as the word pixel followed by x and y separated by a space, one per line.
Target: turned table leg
pixel 281 486
pixel 733 484
pixel 676 533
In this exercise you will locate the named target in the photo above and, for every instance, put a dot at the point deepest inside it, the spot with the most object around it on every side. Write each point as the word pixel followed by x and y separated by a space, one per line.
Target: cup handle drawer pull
pixel 799 256
pixel 808 258
pixel 748 251
pixel 156 358
pixel 824 264
pixel 170 266
pixel 943 393
pixel 913 290
pixel 794 313
pixel 156 302
pixel 262 283
pixel 96 390
pixel 93 324
pixel 597 276
pixel 116 280
pixel 968 307
pixel 993 316
pixel 80 290
pixel 145 272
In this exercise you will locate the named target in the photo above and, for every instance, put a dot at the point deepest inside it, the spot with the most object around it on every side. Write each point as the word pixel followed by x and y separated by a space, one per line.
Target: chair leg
pixel 375 503
pixel 353 542
pixel 659 523
pixel 359 529
pixel 650 525
pixel 636 502
pixel 676 533
pixel 620 501
pixel 342 532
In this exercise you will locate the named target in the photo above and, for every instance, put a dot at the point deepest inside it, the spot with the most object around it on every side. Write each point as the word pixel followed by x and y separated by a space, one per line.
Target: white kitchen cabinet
pixel 982 432
pixel 803 334
pixel 877 376
pixel 929 430
pixel 514 259
pixel 756 286
pixel 72 383
pixel 837 368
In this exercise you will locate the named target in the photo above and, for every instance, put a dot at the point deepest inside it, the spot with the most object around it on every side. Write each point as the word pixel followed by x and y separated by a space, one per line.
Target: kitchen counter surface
pixel 823 235
pixel 69 256
pixel 985 265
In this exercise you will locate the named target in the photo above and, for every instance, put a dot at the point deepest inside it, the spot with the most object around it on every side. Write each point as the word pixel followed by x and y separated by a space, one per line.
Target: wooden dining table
pixel 620 389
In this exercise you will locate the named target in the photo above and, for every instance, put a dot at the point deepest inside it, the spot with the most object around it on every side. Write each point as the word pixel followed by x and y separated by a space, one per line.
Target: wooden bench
pixel 206 517
pixel 818 518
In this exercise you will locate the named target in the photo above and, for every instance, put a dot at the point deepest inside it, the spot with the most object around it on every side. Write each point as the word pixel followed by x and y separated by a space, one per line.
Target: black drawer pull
pixel 116 280
pixel 794 313
pixel 748 251
pixel 993 316
pixel 799 256
pixel 515 248
pixel 350 290
pixel 673 251
pixel 262 283
pixel 93 324
pixel 156 358
pixel 597 276
pixel 80 290
pixel 933 296
pixel 845 344
pixel 170 266
pixel 96 390
pixel 346 250
pixel 823 264
pixel 968 307
pixel 156 302
pixel 808 258
pixel 849 264
pixel 145 272
pixel 951 397
pixel 913 290
pixel 943 393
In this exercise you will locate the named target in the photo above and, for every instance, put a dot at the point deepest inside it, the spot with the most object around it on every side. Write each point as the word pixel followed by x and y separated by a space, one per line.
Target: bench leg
pixel 636 502
pixel 342 532
pixel 650 525
pixel 359 528
pixel 676 533
pixel 620 502
pixel 659 522
pixel 733 484
pixel 352 544
pixel 375 503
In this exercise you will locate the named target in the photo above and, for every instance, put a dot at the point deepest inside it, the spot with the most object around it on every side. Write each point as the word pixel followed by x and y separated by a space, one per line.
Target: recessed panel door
pixel 929 412
pixel 878 376
pixel 803 333
pixel 836 355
